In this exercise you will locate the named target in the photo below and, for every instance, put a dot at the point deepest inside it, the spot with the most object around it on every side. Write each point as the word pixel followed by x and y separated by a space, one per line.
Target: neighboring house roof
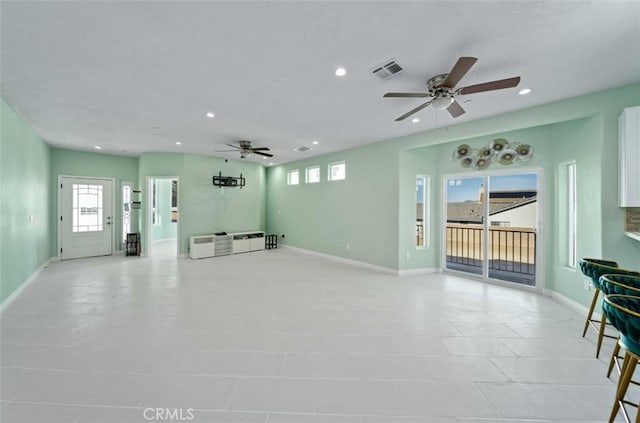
pixel 471 211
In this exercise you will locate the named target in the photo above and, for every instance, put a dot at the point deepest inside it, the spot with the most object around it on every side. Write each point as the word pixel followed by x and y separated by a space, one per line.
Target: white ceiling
pixel 135 77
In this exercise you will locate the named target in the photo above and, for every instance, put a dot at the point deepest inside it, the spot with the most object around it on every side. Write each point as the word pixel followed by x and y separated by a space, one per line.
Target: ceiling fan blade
pixel 407 95
pixel 225 151
pixel 259 148
pixel 458 71
pixel 490 86
pixel 262 154
pixel 412 111
pixel 234 146
pixel 455 109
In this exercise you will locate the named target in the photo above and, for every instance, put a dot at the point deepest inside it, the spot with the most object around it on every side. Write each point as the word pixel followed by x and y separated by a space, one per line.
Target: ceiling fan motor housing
pixel 435 88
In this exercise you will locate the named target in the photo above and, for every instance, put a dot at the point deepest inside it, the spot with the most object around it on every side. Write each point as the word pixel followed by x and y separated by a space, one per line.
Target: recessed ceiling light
pixel 341 72
pixel 210 115
pixel 524 91
pixel 97 147
pixel 178 143
pixel 270 163
pixel 415 120
pixel 315 143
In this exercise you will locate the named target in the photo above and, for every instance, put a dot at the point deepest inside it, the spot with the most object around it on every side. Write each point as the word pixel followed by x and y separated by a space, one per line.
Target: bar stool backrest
pixel 620 284
pixel 623 311
pixel 594 268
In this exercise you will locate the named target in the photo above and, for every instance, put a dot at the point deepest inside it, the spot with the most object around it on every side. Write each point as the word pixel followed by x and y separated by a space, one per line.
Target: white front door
pixel 86 217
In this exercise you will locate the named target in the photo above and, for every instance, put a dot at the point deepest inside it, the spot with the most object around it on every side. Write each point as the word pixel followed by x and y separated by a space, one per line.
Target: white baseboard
pixel 421 271
pixel 338 259
pixel 24 285
pixel 572 304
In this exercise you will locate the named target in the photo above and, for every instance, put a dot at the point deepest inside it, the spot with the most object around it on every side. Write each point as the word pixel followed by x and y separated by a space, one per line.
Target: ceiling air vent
pixel 301 149
pixel 387 70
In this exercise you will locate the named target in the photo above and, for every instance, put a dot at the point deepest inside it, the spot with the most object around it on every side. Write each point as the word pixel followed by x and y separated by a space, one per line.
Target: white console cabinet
pixel 629 157
pixel 219 245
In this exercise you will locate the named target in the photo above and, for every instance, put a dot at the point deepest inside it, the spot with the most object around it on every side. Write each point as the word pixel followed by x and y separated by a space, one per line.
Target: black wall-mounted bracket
pixel 228 181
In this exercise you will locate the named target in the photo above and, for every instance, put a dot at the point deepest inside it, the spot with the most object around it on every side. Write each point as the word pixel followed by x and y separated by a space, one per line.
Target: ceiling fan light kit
pixel 442 89
pixel 442 103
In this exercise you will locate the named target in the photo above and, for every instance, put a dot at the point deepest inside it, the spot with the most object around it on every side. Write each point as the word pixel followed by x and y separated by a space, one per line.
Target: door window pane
pixel 87 208
pixel 464 231
pixel 512 231
pixel 126 211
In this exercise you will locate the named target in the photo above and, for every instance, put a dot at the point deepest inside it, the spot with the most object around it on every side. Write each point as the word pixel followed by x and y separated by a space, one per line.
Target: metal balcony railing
pixel 511 251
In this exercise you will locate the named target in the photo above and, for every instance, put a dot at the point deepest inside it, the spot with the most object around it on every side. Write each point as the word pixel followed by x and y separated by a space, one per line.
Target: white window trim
pixel 425 210
pixel 341 162
pixel 289 173
pixel 306 175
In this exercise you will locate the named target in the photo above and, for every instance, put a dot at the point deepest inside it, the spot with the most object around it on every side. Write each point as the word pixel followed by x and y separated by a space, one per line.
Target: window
pixel 87 208
pixel 571 227
pixel 422 187
pixel 567 199
pixel 313 174
pixel 126 209
pixel 155 214
pixel 293 177
pixel 174 201
pixel 337 171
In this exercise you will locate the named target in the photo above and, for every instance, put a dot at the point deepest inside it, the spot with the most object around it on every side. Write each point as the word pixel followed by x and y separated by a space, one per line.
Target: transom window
pixel 337 171
pixel 313 174
pixel 293 177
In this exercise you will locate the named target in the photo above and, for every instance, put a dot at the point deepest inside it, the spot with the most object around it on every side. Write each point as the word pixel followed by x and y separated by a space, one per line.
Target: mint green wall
pixel 205 209
pixel 360 211
pixel 24 201
pixel 81 163
pixel 166 229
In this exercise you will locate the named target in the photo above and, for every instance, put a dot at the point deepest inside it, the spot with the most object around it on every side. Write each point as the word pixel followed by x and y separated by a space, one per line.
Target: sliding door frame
pixel 539 256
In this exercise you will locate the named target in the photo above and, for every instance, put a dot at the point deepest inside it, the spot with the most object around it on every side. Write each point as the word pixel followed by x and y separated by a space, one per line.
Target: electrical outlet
pixel 348 246
pixel 408 255
pixel 587 285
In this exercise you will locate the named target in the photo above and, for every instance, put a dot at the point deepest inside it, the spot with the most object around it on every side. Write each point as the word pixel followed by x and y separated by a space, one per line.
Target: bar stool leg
pixel 614 356
pixel 603 323
pixel 628 368
pixel 590 313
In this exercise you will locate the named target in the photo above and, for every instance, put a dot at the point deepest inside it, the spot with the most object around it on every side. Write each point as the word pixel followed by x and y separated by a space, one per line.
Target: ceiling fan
pixel 246 149
pixel 443 89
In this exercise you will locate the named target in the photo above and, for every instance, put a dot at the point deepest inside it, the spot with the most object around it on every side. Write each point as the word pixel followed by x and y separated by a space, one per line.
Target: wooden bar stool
pixel 624 313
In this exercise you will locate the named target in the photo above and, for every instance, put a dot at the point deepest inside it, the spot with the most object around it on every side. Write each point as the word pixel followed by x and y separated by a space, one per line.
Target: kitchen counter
pixel 634 235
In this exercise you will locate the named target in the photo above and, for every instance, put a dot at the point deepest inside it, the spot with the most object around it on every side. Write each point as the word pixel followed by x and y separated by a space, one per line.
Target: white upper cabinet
pixel 629 157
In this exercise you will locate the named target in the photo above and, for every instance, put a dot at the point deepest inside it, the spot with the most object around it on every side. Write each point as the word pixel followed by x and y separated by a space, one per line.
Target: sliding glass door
pixel 491 225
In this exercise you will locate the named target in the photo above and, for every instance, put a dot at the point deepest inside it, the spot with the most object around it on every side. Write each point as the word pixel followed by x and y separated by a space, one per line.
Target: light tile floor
pixel 282 336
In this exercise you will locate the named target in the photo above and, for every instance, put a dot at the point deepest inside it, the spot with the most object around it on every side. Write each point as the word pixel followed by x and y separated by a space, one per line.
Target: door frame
pixel 148 226
pixel 540 233
pixel 59 215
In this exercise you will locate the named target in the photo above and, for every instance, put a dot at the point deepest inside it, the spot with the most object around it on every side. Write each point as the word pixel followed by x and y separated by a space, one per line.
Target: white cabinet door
pixel 257 243
pixel 629 157
pixel 241 245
